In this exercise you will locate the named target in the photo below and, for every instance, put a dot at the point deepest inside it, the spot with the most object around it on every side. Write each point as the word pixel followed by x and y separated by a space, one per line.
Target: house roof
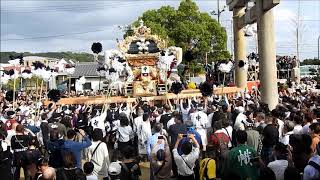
pixel 85 69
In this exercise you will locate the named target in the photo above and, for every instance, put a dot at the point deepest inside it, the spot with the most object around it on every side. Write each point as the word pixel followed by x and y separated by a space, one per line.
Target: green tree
pixel 181 26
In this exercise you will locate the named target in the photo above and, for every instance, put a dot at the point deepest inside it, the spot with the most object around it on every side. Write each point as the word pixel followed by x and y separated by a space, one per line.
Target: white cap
pixel 114 168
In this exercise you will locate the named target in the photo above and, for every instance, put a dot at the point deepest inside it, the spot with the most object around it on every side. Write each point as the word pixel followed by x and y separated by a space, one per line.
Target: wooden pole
pixel 14 92
pixel 69 86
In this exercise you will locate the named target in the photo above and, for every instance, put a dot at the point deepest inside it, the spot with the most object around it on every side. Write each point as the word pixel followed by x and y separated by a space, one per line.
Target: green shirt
pixel 238 162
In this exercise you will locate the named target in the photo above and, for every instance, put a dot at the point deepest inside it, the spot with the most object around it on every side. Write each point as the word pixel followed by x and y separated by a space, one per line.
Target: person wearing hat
pixel 11 120
pixel 114 170
pixel 54 123
pixel 253 136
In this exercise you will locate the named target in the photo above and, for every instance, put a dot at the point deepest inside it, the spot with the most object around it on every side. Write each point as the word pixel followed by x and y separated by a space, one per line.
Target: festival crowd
pixel 217 137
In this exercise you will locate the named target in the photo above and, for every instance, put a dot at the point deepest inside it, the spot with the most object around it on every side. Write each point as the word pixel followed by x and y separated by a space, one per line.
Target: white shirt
pixel 297 129
pixel 125 110
pixel 100 159
pixel 170 122
pixel 281 125
pixel 199 120
pixel 92 177
pixel 98 122
pixel 183 168
pixel 238 125
pixel 124 134
pixel 136 123
pixel 278 167
pixel 285 139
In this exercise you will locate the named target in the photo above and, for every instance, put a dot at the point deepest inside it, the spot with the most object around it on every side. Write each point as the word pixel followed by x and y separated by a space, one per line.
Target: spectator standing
pixel 161 162
pixel 19 145
pixel 98 154
pixel 88 170
pixel 239 159
pixel 124 133
pixel 70 171
pixel 75 147
pixel 186 161
pixel 281 163
pixel 270 137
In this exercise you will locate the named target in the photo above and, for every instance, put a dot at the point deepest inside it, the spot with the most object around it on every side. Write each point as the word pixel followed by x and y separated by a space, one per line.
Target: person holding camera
pixel 186 161
pixel 76 147
pixel 161 162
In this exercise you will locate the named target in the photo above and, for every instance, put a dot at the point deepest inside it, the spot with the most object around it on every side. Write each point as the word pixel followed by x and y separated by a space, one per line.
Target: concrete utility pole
pixel 261 13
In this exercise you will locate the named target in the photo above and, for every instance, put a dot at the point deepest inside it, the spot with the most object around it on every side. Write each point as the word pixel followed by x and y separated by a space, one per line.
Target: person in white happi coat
pixel 200 122
pixel 144 133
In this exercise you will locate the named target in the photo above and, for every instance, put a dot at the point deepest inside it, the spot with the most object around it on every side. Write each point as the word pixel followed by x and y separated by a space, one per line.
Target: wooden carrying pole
pixel 118 99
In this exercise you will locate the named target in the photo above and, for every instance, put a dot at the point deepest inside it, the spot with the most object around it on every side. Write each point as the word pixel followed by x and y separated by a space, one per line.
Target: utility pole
pixel 319 48
pixel 218 12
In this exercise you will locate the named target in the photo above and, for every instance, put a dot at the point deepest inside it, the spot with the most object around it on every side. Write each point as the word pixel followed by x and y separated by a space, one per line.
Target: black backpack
pixel 130 173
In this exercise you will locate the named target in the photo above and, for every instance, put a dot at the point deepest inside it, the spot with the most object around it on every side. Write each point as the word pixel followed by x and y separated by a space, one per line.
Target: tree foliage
pixel 310 62
pixel 181 26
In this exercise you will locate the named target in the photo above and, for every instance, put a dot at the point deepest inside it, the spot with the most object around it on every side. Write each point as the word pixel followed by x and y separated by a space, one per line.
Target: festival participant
pixel 200 122
pixel 144 133
pixel 312 170
pixel 166 116
pixel 240 159
pixel 186 161
pixel 238 125
pixel 185 108
pixel 54 123
pixel 124 135
pixel 98 154
pixel 19 145
pixel 75 147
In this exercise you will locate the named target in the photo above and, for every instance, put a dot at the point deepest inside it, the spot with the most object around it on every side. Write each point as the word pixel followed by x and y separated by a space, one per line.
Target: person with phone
pixel 161 162
pixel 186 161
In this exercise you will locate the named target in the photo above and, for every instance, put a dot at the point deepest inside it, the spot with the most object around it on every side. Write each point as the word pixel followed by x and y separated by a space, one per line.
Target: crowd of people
pixel 218 137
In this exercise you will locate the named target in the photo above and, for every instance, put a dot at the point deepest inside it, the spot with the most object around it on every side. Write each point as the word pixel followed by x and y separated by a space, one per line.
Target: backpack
pixel 222 149
pixel 221 152
pixel 130 172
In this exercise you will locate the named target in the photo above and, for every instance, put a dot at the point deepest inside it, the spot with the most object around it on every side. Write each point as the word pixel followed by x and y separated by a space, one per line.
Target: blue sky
pixel 28 19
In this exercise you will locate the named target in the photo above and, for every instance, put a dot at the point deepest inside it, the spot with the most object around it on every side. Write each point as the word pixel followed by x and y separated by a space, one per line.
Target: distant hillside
pixel 81 57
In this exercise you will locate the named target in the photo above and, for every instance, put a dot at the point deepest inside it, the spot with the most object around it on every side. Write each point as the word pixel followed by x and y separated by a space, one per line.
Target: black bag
pixel 130 172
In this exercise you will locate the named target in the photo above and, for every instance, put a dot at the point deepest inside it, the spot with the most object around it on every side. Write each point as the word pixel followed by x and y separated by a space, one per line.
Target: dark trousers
pixel 25 172
pixel 191 177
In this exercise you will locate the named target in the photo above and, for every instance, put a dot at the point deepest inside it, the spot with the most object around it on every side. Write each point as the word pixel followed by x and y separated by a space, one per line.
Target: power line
pixel 52 36
pixel 66 8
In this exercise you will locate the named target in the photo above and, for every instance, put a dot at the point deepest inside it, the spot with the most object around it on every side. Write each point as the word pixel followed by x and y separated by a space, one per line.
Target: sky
pixel 49 26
